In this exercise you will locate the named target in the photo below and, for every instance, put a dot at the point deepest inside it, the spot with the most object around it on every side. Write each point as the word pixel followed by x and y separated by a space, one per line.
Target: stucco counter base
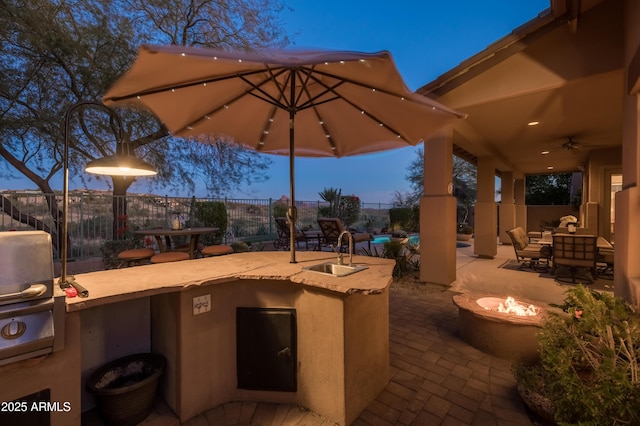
pixel 342 327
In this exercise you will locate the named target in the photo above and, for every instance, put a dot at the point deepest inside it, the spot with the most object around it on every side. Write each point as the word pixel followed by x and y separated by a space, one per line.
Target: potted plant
pixel 463 232
pixel 400 236
pixel 589 368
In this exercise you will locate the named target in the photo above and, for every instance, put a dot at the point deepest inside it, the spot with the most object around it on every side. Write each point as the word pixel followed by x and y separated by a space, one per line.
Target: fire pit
pixel 502 327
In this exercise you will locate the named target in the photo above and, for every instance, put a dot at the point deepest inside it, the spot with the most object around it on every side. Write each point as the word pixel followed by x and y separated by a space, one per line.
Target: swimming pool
pixel 381 239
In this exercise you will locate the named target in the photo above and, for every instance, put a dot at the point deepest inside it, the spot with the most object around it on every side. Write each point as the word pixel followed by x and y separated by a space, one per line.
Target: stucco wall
pixel 343 347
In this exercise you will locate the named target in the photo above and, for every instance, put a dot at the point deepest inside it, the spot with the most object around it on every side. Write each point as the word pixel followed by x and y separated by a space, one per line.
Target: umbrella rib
pixel 266 129
pixel 305 89
pixel 362 111
pixel 268 98
pixel 272 78
pixel 187 85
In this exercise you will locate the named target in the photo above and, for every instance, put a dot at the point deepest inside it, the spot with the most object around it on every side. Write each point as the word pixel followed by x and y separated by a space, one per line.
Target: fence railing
pixel 91 219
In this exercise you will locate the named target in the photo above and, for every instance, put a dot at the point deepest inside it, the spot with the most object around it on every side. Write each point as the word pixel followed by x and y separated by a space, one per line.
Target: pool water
pixel 381 239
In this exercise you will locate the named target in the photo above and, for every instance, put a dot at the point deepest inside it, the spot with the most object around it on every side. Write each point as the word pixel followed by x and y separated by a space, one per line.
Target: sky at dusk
pixel 425 38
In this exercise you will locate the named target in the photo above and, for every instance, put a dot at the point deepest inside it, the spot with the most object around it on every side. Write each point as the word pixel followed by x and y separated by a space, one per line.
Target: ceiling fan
pixel 571 144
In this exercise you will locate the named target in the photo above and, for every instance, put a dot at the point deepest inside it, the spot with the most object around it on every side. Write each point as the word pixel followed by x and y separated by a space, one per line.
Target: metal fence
pixel 91 217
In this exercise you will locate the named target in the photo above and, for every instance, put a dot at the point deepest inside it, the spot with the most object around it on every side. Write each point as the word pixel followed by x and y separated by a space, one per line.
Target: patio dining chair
pixel 573 252
pixel 331 229
pixel 527 254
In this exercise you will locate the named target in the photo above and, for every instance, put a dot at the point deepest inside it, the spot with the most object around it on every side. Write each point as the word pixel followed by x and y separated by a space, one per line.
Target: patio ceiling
pixel 563 69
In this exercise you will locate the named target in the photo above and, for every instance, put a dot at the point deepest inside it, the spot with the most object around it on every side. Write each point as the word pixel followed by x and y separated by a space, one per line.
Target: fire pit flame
pixel 511 306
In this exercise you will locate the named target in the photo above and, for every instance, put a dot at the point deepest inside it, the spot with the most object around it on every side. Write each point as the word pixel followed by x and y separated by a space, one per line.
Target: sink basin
pixel 334 269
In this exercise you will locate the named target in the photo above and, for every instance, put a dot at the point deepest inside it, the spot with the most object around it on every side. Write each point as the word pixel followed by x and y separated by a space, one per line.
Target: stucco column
pixel 627 234
pixel 486 220
pixel 507 207
pixel 521 207
pixel 438 212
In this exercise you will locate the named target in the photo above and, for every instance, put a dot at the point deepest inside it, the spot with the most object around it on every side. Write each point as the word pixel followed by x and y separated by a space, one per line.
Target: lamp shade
pixel 120 165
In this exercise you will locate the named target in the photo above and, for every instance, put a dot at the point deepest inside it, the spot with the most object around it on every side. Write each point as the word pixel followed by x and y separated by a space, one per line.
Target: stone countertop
pixel 118 285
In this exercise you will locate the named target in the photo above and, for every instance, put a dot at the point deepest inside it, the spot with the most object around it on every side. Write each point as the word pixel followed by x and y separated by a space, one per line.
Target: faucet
pixel 340 260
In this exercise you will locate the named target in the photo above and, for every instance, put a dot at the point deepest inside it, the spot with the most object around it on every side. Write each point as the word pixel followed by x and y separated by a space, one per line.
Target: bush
pixel 214 214
pixel 589 360
pixel 239 247
pixel 464 229
pixel 280 209
pixel 407 218
pixel 111 248
pixel 404 254
pixel 349 209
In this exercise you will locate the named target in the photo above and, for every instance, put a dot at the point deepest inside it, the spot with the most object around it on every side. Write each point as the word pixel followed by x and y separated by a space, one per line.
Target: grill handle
pixel 34 290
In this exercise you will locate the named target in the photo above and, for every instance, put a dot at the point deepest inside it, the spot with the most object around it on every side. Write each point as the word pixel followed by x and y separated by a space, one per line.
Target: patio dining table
pixel 167 244
pixel 601 242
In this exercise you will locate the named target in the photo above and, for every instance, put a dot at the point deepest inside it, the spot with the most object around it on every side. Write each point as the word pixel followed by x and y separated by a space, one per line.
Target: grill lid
pixel 26 258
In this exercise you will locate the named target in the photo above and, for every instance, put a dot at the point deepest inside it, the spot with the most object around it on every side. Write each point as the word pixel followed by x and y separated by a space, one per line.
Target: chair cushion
pixel 217 250
pixel 361 236
pixel 519 238
pixel 134 254
pixel 530 253
pixel 169 256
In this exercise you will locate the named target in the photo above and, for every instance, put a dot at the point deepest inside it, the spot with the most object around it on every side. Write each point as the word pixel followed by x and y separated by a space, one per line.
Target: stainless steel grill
pixel 31 317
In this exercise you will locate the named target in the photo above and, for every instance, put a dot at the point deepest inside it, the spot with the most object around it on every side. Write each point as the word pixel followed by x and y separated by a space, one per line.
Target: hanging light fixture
pixel 123 163
pixel 120 165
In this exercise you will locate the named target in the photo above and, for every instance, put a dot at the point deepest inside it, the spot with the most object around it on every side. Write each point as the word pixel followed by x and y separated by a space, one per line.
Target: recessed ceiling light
pixel 545 152
pixel 533 123
pixel 549 167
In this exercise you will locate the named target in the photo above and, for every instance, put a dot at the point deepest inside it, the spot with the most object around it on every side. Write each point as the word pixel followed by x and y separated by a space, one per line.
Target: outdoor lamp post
pixel 120 164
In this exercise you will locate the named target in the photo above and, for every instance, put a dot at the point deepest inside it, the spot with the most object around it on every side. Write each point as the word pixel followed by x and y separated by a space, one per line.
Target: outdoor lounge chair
pixel 528 254
pixel 284 232
pixel 332 228
pixel 573 252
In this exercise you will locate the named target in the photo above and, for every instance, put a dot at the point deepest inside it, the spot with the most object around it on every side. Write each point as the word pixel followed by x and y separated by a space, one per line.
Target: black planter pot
pixel 125 388
pixel 538 404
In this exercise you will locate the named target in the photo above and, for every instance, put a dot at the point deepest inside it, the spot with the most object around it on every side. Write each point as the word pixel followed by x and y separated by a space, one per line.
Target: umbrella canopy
pixel 306 103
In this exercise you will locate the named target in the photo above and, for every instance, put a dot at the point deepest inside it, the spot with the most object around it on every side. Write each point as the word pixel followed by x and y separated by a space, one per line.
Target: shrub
pixel 111 248
pixel 349 209
pixel 589 360
pixel 404 254
pixel 407 218
pixel 214 214
pixel 239 247
pixel 464 229
pixel 280 209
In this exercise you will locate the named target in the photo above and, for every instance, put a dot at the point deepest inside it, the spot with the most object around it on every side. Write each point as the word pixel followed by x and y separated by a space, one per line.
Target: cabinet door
pixel 266 349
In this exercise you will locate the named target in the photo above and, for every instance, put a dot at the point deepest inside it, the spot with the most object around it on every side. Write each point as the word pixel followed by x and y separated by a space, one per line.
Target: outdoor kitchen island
pixel 207 317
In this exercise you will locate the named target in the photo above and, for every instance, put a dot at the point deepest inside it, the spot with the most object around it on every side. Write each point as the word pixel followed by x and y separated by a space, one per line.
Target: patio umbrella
pixel 298 103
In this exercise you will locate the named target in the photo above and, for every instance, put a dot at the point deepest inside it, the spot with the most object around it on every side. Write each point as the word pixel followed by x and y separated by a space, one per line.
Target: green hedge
pixel 214 214
pixel 406 218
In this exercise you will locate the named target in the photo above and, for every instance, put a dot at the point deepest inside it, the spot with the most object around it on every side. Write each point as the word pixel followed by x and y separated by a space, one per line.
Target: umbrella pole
pixel 292 213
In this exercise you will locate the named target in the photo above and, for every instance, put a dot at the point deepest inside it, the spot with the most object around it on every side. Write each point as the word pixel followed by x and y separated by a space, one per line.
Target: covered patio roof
pixel 564 69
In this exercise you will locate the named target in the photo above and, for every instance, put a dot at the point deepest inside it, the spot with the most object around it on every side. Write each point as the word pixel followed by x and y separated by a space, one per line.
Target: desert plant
pixel 111 248
pixel 589 360
pixel 349 209
pixel 407 218
pixel 279 208
pixel 214 214
pixel 464 229
pixel 240 247
pixel 403 254
pixel 331 196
